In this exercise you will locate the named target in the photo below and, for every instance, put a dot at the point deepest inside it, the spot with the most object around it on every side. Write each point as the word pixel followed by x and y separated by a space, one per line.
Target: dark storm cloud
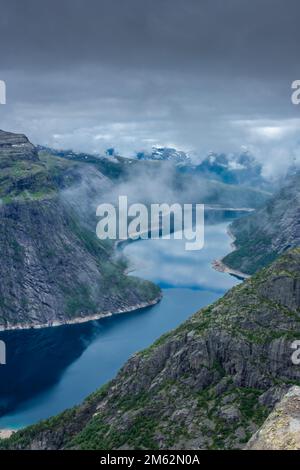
pixel 257 37
pixel 200 74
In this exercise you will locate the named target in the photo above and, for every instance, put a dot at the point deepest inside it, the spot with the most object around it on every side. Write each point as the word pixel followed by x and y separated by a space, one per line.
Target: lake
pixel 52 369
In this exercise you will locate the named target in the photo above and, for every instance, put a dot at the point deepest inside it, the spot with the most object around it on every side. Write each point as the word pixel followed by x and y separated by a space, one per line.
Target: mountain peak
pixel 165 154
pixel 16 147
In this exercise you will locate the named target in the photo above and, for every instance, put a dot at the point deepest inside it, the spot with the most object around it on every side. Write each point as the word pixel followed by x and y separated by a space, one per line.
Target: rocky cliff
pixel 209 384
pixel 281 430
pixel 270 231
pixel 53 269
pixel 16 147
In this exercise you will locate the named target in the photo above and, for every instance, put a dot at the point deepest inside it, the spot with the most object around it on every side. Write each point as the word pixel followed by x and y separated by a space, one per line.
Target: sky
pixel 198 75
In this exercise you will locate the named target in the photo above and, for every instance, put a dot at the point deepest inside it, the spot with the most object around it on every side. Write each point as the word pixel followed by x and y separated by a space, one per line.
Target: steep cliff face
pixel 16 147
pixel 53 269
pixel 209 384
pixel 24 176
pixel 271 230
pixel 281 430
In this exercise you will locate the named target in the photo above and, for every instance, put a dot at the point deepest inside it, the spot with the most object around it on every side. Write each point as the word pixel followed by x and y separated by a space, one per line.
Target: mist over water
pixel 53 369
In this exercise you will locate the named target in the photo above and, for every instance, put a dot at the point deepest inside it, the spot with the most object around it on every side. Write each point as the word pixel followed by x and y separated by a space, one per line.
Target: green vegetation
pixel 193 383
pixel 268 232
pixel 98 435
pixel 201 384
pixel 27 180
pixel 79 273
pixel 79 301
pixel 257 250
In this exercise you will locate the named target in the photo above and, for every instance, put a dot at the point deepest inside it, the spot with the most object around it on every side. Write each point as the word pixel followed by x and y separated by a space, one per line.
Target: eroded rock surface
pixel 281 430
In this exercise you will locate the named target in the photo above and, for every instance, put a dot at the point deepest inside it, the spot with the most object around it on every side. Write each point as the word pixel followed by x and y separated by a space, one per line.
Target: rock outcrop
pixel 209 384
pixel 281 430
pixel 16 147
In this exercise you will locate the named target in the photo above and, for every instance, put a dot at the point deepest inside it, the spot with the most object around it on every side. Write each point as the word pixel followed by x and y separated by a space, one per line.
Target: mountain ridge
pixel 208 384
pixel 269 231
pixel 53 268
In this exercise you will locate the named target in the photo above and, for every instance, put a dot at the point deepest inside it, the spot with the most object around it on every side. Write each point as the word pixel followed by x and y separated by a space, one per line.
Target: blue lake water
pixel 52 369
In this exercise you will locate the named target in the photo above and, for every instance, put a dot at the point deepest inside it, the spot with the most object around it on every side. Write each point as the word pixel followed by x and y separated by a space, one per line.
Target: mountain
pixel 24 176
pixel 239 169
pixel 263 235
pixel 165 154
pixel 148 178
pixel 235 169
pixel 17 148
pixel 232 169
pixel 113 167
pixel 195 188
pixel 53 268
pixel 209 384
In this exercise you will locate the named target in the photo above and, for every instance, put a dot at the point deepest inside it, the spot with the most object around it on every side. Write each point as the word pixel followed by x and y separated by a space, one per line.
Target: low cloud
pixel 200 76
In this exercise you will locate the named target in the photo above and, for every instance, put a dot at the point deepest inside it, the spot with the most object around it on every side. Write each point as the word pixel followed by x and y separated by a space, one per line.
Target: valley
pixel 70 362
pixel 66 277
pixel 149 232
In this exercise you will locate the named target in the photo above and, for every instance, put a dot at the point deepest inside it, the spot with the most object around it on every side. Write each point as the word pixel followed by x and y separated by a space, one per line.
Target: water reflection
pixel 36 360
pixel 52 369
